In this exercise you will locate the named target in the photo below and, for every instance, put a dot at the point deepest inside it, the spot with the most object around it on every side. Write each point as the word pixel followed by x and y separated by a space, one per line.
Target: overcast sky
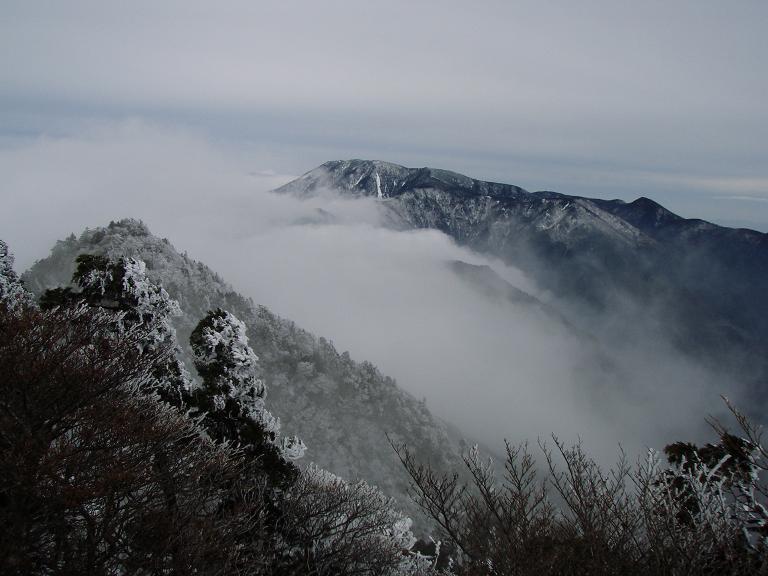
pixel 610 99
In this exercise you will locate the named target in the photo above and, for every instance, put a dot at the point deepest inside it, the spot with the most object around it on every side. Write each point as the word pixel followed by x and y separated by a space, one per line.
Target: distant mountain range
pixel 708 282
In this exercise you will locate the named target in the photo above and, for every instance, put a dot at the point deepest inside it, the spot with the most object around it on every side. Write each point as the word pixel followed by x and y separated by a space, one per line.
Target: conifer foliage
pixel 231 398
pixel 121 286
pixel 11 289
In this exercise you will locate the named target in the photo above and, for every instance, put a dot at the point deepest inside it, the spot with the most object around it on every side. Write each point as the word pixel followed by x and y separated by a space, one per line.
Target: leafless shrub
pixel 333 527
pixel 575 518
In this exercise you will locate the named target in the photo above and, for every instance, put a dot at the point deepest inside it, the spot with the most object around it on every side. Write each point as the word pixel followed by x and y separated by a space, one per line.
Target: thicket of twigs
pixel 702 512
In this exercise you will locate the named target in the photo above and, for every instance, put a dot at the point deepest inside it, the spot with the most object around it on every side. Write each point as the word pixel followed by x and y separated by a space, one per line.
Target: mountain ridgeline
pixel 707 282
pixel 343 409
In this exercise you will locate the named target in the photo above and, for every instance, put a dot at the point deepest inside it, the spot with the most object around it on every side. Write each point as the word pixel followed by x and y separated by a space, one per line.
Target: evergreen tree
pixel 231 397
pixel 732 459
pixel 12 292
pixel 730 466
pixel 122 286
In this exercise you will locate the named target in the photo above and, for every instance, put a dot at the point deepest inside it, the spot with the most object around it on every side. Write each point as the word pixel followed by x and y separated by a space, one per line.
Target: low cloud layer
pixel 493 369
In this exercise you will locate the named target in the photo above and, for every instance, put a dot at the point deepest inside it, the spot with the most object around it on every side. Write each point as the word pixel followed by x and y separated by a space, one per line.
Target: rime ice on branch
pixel 122 286
pixel 232 395
pixel 12 292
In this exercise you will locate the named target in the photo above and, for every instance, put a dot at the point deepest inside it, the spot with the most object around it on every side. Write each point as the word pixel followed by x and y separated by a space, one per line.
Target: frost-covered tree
pixel 12 291
pixel 729 464
pixel 321 524
pixel 719 488
pixel 332 527
pixel 231 398
pixel 98 477
pixel 704 512
pixel 122 286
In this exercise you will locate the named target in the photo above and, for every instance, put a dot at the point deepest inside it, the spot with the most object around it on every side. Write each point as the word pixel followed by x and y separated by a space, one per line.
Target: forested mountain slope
pixel 341 408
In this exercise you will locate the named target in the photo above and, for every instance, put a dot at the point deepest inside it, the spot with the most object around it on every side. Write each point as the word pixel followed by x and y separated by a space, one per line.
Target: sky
pixel 185 114
pixel 609 99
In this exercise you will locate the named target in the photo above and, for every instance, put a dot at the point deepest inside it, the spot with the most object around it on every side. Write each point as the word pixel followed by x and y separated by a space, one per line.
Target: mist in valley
pixel 494 368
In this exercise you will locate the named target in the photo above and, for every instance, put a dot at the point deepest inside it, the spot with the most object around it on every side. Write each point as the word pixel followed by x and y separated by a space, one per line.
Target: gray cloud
pixel 743 198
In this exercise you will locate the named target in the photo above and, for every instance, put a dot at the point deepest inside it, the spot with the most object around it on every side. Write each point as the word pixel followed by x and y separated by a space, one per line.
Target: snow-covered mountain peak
pixel 585 250
pixel 383 180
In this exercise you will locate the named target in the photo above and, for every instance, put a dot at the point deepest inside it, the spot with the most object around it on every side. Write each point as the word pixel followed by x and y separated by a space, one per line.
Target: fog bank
pixel 494 369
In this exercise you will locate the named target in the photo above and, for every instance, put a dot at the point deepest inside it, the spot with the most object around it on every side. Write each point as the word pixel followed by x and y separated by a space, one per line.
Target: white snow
pixel 153 304
pixel 378 186
pixel 12 292
pixel 227 337
pixel 293 448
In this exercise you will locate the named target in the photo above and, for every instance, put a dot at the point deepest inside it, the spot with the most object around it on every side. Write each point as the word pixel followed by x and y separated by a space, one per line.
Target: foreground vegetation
pixel 114 461
pixel 702 512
